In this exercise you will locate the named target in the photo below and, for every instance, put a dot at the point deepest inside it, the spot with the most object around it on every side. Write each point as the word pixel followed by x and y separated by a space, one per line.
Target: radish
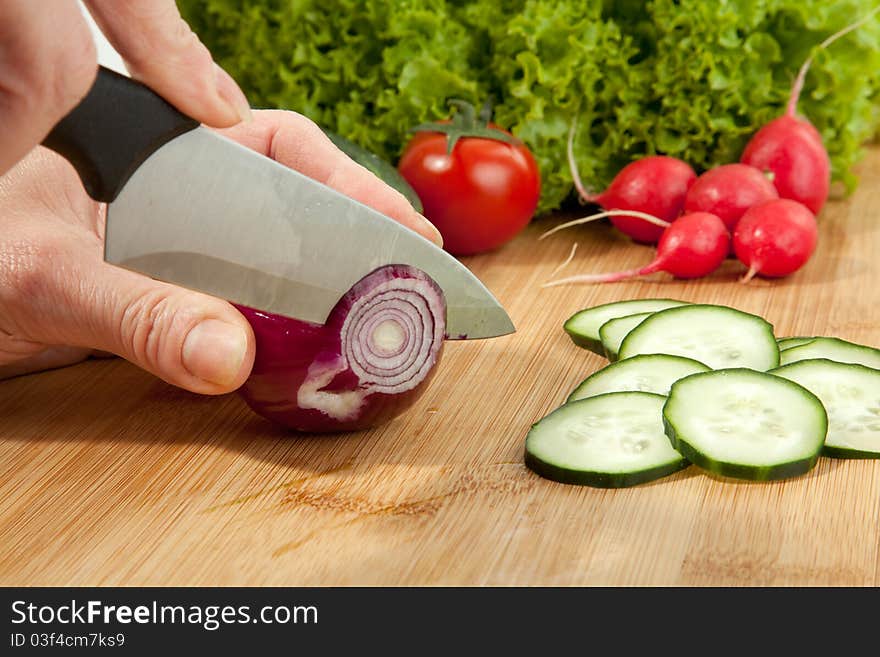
pixel 775 238
pixel 728 191
pixel 655 185
pixel 365 365
pixel 692 246
pixel 790 147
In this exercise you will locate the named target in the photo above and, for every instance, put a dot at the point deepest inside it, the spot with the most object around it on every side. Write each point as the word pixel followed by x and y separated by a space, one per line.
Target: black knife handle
pixel 117 126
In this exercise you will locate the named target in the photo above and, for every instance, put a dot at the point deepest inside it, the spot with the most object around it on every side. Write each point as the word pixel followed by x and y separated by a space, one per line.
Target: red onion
pixel 365 365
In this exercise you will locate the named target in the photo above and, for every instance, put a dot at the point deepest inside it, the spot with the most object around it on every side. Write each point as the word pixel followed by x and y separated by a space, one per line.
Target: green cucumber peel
pixel 382 169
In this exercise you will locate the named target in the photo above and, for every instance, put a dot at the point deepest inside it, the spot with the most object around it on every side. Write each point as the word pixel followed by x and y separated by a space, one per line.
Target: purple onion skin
pixel 290 351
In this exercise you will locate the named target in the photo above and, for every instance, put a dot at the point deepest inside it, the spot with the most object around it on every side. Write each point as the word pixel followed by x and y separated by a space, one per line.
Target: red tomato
pixel 479 196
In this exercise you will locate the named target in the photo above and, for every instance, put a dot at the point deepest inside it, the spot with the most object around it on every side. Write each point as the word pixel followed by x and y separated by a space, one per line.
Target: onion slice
pixel 365 365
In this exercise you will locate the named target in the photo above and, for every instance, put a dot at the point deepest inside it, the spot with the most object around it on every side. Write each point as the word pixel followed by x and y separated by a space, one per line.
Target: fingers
pixel 186 338
pixel 189 339
pixel 47 64
pixel 56 290
pixel 46 359
pixel 161 50
pixel 297 142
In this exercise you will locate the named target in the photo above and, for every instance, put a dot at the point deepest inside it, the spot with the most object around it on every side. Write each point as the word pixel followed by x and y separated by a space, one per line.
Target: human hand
pixel 48 63
pixel 59 301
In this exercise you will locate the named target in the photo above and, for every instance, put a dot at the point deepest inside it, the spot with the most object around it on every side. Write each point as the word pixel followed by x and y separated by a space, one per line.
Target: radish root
pixel 750 274
pixel 566 262
pixel 609 213
pixel 798 85
pixel 604 278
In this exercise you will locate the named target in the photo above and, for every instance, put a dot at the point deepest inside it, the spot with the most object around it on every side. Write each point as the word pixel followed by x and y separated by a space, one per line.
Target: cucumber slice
pixel 615 330
pixel 649 373
pixel 718 336
pixel 833 349
pixel 851 396
pixel 745 424
pixel 583 326
pixel 794 341
pixel 608 441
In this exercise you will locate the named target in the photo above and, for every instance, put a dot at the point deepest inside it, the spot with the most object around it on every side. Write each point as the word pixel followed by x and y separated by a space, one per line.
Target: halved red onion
pixel 365 365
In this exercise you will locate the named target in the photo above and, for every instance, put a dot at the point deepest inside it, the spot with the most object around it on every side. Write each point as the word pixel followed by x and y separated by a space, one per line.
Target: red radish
pixel 728 191
pixel 692 246
pixel 791 148
pixel 800 165
pixel 654 185
pixel 775 238
pixel 367 363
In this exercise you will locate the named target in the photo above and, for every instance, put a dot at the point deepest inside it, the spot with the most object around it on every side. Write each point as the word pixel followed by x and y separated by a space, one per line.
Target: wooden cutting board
pixel 111 477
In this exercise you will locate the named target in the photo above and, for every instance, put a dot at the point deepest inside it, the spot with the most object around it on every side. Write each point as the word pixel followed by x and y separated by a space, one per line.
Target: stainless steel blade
pixel 207 213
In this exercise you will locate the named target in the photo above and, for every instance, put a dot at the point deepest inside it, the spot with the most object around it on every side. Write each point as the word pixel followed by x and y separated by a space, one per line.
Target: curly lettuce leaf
pixel 555 62
pixel 722 70
pixel 366 70
pixel 687 78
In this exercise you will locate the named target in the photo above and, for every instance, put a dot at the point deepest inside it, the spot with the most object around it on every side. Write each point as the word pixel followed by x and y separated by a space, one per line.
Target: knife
pixel 191 207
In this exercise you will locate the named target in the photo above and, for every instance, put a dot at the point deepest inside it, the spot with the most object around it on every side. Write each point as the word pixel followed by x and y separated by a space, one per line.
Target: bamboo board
pixel 111 477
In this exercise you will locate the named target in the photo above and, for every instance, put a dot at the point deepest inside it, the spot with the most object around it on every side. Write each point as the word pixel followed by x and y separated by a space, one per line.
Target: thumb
pixel 161 51
pixel 186 338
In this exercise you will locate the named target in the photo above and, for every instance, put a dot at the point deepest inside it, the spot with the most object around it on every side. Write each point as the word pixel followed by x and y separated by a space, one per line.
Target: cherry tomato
pixel 481 194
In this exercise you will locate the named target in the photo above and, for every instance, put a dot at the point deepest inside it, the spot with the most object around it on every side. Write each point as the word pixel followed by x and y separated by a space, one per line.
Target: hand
pixel 48 63
pixel 59 301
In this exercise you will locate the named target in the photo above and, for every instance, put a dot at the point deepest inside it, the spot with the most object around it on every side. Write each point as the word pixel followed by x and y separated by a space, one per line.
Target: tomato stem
pixel 486 112
pixel 466 123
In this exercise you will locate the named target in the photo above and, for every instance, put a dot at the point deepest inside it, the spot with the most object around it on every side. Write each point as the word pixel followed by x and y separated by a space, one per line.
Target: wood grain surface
pixel 110 477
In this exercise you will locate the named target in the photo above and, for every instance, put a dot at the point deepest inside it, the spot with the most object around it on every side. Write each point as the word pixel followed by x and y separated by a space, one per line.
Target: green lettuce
pixel 721 70
pixel 366 70
pixel 688 78
pixel 561 60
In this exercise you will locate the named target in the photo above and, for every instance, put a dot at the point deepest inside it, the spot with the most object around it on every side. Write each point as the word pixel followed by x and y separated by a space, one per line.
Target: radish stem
pixel 692 246
pixel 609 213
pixel 798 85
pixel 583 195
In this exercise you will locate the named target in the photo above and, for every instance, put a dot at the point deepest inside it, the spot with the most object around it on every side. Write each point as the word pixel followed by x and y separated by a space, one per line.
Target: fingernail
pixel 429 230
pixel 214 351
pixel 232 94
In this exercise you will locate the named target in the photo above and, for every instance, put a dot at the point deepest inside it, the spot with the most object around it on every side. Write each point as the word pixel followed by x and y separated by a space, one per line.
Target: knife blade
pixel 193 208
